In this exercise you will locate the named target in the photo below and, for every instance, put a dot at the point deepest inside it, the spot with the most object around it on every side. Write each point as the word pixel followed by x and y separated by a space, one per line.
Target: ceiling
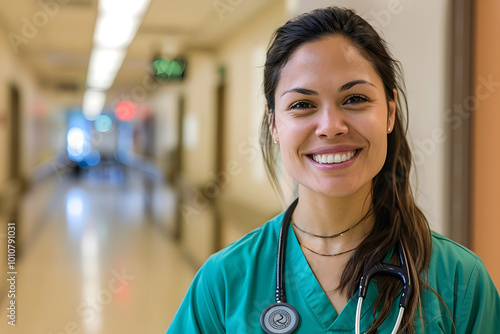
pixel 55 36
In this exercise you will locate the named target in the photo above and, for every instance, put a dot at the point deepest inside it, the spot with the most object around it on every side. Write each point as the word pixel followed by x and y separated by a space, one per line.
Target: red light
pixel 125 111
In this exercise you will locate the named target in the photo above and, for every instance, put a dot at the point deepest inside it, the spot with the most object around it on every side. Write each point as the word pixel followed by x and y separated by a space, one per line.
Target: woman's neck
pixel 326 216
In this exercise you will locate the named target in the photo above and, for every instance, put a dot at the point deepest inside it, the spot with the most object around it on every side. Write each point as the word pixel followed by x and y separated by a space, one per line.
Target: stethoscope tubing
pixel 280 260
pixel 281 317
pixel 358 318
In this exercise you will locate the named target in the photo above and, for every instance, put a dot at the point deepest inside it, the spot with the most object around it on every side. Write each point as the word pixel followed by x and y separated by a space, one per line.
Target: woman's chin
pixel 335 189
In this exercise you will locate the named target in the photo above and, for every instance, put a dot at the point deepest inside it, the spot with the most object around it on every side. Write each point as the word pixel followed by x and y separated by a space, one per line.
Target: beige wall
pixel 33 107
pixel 164 103
pixel 243 56
pixel 198 149
pixel 244 184
pixel 199 119
pixel 486 137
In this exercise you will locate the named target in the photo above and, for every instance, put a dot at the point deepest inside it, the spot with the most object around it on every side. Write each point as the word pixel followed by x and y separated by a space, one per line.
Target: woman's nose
pixel 331 123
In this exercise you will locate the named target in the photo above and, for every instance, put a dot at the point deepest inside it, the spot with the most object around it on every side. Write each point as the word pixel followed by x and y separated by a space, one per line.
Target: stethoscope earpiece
pixel 279 318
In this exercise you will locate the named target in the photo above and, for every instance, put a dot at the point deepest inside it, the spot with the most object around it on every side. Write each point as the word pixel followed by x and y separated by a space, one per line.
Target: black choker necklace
pixel 327 236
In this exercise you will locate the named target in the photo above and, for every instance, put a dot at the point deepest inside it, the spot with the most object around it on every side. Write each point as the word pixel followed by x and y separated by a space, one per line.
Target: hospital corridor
pixel 130 145
pixel 93 261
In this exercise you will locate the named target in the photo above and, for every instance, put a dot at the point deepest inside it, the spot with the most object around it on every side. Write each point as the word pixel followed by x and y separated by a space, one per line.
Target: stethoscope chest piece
pixel 279 318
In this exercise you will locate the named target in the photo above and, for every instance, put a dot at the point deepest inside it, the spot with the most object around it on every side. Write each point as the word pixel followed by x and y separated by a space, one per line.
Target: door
pixel 485 157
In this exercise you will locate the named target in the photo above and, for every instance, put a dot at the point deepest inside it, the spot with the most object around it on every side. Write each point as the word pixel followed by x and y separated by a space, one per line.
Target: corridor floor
pixel 92 262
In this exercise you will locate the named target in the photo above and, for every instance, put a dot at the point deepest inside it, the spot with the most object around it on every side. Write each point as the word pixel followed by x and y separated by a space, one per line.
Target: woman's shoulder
pixel 444 247
pixel 453 262
pixel 449 254
pixel 461 281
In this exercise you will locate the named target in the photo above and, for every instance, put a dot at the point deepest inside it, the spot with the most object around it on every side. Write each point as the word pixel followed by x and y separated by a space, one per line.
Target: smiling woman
pixel 335 113
pixel 329 104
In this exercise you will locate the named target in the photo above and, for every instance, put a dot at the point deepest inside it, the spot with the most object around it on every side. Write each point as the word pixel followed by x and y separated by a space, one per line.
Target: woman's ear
pixel 391 112
pixel 272 125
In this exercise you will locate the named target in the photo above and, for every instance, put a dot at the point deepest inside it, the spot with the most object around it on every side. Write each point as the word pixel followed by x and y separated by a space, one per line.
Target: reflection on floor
pixel 92 262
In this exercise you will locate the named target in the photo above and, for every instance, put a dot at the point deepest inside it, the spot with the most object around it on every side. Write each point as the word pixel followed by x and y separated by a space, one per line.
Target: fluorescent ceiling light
pixel 93 103
pixel 103 75
pixel 116 27
pixel 94 82
pixel 113 31
pixel 101 80
pixel 129 8
pixel 105 60
pixel 103 66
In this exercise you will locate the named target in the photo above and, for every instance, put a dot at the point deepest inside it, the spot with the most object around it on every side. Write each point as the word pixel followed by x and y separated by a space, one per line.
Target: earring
pixel 388 129
pixel 276 140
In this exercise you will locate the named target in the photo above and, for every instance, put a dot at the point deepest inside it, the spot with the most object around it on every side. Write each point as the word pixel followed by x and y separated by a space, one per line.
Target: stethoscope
pixel 283 318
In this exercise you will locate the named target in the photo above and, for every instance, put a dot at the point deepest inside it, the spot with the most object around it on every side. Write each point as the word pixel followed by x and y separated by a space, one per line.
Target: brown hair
pixel 396 214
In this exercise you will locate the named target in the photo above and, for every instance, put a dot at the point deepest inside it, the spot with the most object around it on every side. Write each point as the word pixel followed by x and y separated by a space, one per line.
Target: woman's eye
pixel 356 99
pixel 301 105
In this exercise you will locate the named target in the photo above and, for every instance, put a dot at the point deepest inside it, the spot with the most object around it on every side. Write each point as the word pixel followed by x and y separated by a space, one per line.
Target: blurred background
pixel 129 143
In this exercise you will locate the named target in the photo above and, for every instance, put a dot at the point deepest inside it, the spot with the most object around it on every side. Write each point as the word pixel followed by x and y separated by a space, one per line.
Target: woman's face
pixel 332 118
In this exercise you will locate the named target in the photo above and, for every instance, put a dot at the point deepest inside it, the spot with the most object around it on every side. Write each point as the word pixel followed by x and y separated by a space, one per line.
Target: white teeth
pixel 333 158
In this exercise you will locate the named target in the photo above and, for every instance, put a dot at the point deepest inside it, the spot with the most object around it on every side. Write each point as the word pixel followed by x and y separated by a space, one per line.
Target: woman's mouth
pixel 334 158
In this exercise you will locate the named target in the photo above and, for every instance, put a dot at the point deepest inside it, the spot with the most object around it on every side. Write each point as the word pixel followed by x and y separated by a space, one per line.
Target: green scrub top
pixel 235 285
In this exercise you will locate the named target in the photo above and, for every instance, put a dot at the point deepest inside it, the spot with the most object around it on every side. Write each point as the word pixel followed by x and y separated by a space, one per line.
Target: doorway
pixel 14 157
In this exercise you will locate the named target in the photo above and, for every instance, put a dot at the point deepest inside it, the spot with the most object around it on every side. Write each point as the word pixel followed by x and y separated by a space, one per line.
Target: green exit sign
pixel 169 70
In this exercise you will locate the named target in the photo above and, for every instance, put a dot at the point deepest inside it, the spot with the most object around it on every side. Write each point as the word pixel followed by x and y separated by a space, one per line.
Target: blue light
pixel 93 158
pixel 77 143
pixel 103 123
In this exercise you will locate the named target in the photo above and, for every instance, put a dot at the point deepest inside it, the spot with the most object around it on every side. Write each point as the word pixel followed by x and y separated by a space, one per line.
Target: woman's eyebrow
pixel 301 91
pixel 350 84
pixel 344 87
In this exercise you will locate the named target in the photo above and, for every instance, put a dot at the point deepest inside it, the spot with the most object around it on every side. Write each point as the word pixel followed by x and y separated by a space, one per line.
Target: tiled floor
pixel 92 262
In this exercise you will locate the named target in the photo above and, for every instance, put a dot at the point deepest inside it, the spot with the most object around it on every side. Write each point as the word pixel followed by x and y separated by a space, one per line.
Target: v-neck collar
pixel 306 283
